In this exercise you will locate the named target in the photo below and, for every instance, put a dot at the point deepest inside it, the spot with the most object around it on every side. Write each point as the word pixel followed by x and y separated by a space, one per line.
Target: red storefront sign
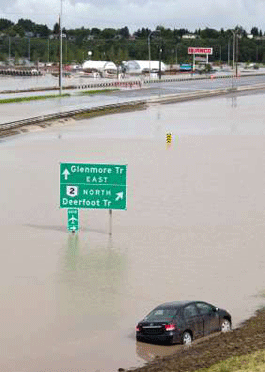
pixel 200 50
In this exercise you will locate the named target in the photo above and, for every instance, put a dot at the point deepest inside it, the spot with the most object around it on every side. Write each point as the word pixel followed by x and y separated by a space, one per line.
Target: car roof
pixel 174 304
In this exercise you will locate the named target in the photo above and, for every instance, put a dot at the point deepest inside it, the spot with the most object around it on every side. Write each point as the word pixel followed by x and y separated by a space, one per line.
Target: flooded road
pixel 23 110
pixel 194 229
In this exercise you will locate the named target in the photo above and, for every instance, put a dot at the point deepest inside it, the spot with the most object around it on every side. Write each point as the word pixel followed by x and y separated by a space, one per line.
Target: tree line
pixel 28 40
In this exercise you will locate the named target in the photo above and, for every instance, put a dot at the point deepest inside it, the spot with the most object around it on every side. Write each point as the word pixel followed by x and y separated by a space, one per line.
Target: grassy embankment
pixel 36 98
pixel 254 362
pixel 91 92
pixel 32 98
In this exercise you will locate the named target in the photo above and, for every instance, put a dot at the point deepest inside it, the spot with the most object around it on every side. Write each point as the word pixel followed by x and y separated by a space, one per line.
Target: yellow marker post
pixel 169 137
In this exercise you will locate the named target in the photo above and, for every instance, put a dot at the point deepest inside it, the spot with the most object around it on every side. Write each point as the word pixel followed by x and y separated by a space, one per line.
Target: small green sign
pixel 73 219
pixel 97 186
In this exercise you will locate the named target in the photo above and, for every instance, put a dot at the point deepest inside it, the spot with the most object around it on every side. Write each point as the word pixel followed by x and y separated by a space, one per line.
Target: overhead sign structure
pixel 73 219
pixel 95 186
pixel 192 50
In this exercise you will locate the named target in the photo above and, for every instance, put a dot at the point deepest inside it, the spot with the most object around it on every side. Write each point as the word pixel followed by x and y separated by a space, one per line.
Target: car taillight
pixel 170 327
pixel 137 328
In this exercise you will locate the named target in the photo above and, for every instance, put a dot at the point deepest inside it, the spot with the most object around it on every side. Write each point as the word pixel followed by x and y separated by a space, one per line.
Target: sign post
pixel 194 51
pixel 73 220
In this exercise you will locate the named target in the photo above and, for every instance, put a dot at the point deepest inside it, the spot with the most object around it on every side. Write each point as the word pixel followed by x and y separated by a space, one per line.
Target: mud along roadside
pixel 248 338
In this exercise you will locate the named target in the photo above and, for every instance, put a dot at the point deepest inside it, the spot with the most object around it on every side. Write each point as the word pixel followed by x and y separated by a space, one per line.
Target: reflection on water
pixel 234 124
pixel 234 101
pixel 149 351
pixel 90 282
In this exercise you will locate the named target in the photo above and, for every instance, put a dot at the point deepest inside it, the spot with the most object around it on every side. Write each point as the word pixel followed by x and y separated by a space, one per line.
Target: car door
pixel 193 320
pixel 210 317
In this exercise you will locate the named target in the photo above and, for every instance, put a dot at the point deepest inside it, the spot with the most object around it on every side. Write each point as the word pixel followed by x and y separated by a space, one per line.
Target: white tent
pixel 139 67
pixel 103 67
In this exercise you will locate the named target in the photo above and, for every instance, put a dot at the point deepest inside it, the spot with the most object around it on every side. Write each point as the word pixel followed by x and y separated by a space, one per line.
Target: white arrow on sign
pixel 66 174
pixel 119 195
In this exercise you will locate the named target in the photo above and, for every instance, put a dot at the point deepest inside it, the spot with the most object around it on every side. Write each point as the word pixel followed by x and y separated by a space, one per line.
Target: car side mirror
pixel 215 309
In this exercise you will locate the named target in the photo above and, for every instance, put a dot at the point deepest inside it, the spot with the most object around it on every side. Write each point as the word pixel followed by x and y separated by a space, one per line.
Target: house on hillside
pixel 189 36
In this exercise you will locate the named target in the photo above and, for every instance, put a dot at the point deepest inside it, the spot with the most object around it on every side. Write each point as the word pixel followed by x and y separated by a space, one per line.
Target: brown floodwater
pixel 194 229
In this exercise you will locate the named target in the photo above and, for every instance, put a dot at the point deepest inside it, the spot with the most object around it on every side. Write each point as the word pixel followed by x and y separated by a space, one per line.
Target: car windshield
pixel 161 315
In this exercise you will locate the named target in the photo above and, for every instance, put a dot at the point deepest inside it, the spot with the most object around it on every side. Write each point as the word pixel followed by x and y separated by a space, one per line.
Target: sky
pixel 135 14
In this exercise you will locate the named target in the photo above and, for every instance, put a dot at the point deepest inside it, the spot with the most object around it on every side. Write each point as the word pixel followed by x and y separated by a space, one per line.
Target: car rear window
pixel 160 315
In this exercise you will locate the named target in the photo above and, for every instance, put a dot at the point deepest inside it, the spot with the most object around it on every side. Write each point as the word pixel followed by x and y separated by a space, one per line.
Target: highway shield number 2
pixel 72 191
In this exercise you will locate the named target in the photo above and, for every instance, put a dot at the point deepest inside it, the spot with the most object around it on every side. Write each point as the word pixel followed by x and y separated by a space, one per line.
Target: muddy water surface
pixel 194 229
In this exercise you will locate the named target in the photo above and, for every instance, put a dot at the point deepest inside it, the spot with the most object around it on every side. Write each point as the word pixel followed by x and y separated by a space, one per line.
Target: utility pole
pixel 9 50
pixel 160 52
pixel 236 53
pixel 29 50
pixel 149 52
pixel 149 49
pixel 48 49
pixel 228 53
pixel 233 49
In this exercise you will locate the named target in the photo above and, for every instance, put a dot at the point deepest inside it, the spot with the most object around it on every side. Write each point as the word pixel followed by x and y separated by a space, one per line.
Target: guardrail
pixel 44 118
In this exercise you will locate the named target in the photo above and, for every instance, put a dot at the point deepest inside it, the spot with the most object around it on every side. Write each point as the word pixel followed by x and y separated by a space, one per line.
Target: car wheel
pixel 186 338
pixel 225 325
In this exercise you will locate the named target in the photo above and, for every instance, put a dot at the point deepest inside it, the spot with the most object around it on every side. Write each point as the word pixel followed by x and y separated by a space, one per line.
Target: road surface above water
pixel 194 229
pixel 17 111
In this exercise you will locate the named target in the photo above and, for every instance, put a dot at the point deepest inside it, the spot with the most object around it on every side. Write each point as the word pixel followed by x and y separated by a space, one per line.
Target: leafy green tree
pixel 108 33
pixel 11 32
pixel 26 24
pixel 124 32
pixel 95 32
pixel 19 30
pixel 5 24
pixel 56 28
pixel 254 31
pixel 42 30
pixel 143 33
pixel 209 33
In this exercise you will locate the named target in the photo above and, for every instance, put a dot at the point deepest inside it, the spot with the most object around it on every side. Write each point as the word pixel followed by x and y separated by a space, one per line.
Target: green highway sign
pixel 96 186
pixel 73 219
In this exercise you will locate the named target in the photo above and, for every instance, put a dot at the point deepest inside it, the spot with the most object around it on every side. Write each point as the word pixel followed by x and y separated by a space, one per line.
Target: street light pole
pixel 61 50
pixel 149 49
pixel 228 53
pixel 149 52
pixel 29 49
pixel 160 52
pixel 233 50
pixel 9 50
pixel 236 53
pixel 48 50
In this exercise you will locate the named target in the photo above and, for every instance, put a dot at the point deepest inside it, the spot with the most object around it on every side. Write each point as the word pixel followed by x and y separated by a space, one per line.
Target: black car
pixel 182 322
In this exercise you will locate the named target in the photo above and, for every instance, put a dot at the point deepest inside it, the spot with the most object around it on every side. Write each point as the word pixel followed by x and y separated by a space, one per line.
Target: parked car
pixel 182 322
